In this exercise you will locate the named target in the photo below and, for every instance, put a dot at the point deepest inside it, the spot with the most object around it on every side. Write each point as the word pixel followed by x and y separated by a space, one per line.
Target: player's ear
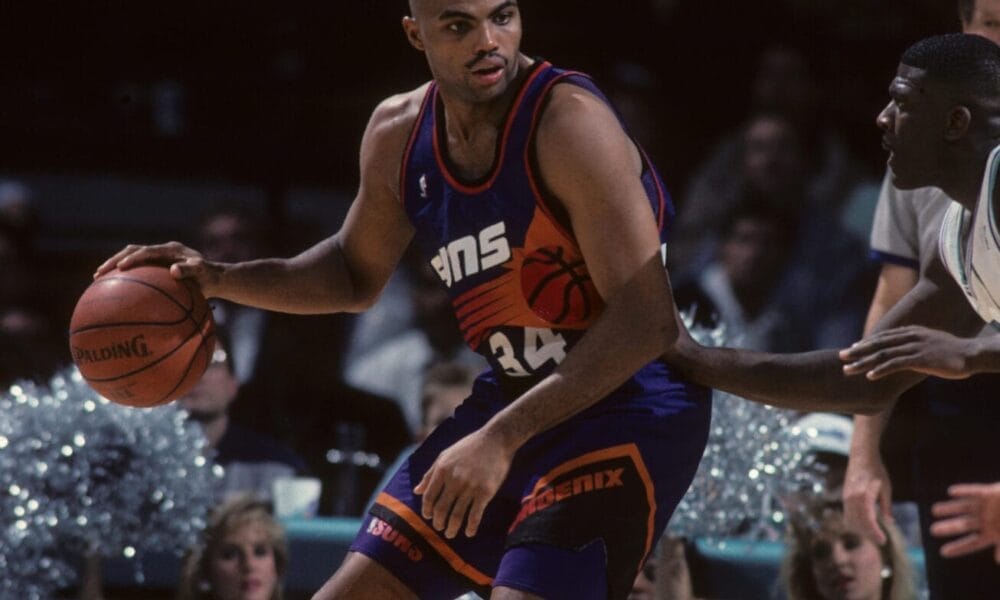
pixel 957 125
pixel 413 33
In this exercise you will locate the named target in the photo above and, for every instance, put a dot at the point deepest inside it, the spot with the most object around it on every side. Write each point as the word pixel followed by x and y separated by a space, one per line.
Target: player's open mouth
pixel 489 74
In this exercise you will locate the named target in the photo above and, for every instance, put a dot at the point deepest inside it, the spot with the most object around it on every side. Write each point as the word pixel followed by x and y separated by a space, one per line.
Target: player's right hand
pixel 184 263
pixel 867 491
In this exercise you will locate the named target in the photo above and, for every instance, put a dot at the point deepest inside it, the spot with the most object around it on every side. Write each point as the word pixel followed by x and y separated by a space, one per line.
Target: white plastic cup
pixel 296 497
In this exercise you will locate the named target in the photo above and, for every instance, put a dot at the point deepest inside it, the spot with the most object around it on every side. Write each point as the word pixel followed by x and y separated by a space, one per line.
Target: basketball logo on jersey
pixel 472 254
pixel 558 287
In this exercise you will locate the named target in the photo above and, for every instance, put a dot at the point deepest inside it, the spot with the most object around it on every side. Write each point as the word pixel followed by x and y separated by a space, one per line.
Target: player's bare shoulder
pixel 386 136
pixel 392 121
pixel 575 118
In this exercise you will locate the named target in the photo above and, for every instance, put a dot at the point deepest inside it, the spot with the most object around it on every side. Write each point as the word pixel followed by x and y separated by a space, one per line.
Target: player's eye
pixel 458 27
pixel 503 18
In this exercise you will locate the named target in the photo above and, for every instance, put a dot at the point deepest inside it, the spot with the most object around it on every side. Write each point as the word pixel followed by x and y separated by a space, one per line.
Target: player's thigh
pixel 361 578
pixel 553 573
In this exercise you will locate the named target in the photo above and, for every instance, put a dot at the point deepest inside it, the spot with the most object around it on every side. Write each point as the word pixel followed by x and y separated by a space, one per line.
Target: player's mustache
pixel 484 55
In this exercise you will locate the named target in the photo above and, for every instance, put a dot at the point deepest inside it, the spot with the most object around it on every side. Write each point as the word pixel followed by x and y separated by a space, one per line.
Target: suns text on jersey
pixel 472 254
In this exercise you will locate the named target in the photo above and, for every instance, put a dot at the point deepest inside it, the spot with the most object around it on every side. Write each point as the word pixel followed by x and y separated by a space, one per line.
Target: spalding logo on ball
pixel 140 337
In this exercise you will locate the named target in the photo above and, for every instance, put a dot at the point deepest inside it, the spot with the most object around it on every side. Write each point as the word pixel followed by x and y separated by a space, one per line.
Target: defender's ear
pixel 412 33
pixel 959 119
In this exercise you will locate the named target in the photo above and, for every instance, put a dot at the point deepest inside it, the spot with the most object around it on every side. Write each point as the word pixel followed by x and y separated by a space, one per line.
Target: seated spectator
pixel 737 288
pixel 30 346
pixel 825 560
pixel 394 368
pixel 829 441
pixel 446 385
pixel 17 212
pixel 251 460
pixel 243 555
pixel 788 146
pixel 283 363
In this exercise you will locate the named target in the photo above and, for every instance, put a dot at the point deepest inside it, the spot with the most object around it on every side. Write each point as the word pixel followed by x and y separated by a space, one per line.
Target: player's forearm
pixel 867 435
pixel 316 281
pixel 807 381
pixel 631 332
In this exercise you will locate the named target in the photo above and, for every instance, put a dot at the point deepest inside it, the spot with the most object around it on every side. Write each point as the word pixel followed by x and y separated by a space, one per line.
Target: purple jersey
pixel 514 272
pixel 583 502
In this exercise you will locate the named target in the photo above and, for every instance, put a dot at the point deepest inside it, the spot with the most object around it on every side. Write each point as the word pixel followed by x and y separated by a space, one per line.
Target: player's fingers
pixel 457 517
pixel 163 254
pixel 955 526
pixel 891 366
pixel 967 489
pixel 476 514
pixel 429 487
pixel 865 363
pixel 866 347
pixel 966 545
pixel 950 508
pixel 112 263
pixel 870 514
pixel 443 506
pixel 885 503
pixel 194 268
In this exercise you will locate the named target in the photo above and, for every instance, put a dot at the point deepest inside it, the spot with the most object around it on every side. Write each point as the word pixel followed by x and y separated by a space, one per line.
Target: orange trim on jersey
pixel 502 301
pixel 623 450
pixel 412 141
pixel 532 181
pixel 431 537
pixel 498 165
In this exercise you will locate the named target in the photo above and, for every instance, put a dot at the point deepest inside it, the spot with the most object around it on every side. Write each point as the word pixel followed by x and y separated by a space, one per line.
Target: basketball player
pixel 951 421
pixel 942 128
pixel 557 476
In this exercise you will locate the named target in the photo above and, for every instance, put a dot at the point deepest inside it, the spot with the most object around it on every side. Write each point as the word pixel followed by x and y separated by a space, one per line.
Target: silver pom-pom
pixel 754 461
pixel 78 472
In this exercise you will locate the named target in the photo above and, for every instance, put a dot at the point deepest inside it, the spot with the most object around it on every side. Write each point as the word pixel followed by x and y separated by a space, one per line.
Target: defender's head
pixel 944 108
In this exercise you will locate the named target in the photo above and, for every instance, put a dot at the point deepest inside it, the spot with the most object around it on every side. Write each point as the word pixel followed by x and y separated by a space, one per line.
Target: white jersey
pixel 970 246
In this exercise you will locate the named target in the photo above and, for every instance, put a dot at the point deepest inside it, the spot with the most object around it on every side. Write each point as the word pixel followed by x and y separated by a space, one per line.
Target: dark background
pixel 275 93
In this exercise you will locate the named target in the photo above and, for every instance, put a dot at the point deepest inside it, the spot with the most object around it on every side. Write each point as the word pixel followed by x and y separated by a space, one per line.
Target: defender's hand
pixel 183 262
pixel 974 513
pixel 867 491
pixel 462 481
pixel 911 348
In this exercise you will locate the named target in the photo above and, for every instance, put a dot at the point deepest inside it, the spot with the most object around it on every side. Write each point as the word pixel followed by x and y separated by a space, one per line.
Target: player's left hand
pixel 911 348
pixel 974 513
pixel 462 481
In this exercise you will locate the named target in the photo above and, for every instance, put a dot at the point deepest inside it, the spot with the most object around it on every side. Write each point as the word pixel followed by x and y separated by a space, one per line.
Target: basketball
pixel 140 337
pixel 558 288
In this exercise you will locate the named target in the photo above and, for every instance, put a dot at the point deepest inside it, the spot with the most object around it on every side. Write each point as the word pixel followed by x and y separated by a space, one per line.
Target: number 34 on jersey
pixel 540 346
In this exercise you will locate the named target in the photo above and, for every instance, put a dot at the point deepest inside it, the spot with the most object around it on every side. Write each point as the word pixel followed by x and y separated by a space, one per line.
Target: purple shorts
pixel 579 512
